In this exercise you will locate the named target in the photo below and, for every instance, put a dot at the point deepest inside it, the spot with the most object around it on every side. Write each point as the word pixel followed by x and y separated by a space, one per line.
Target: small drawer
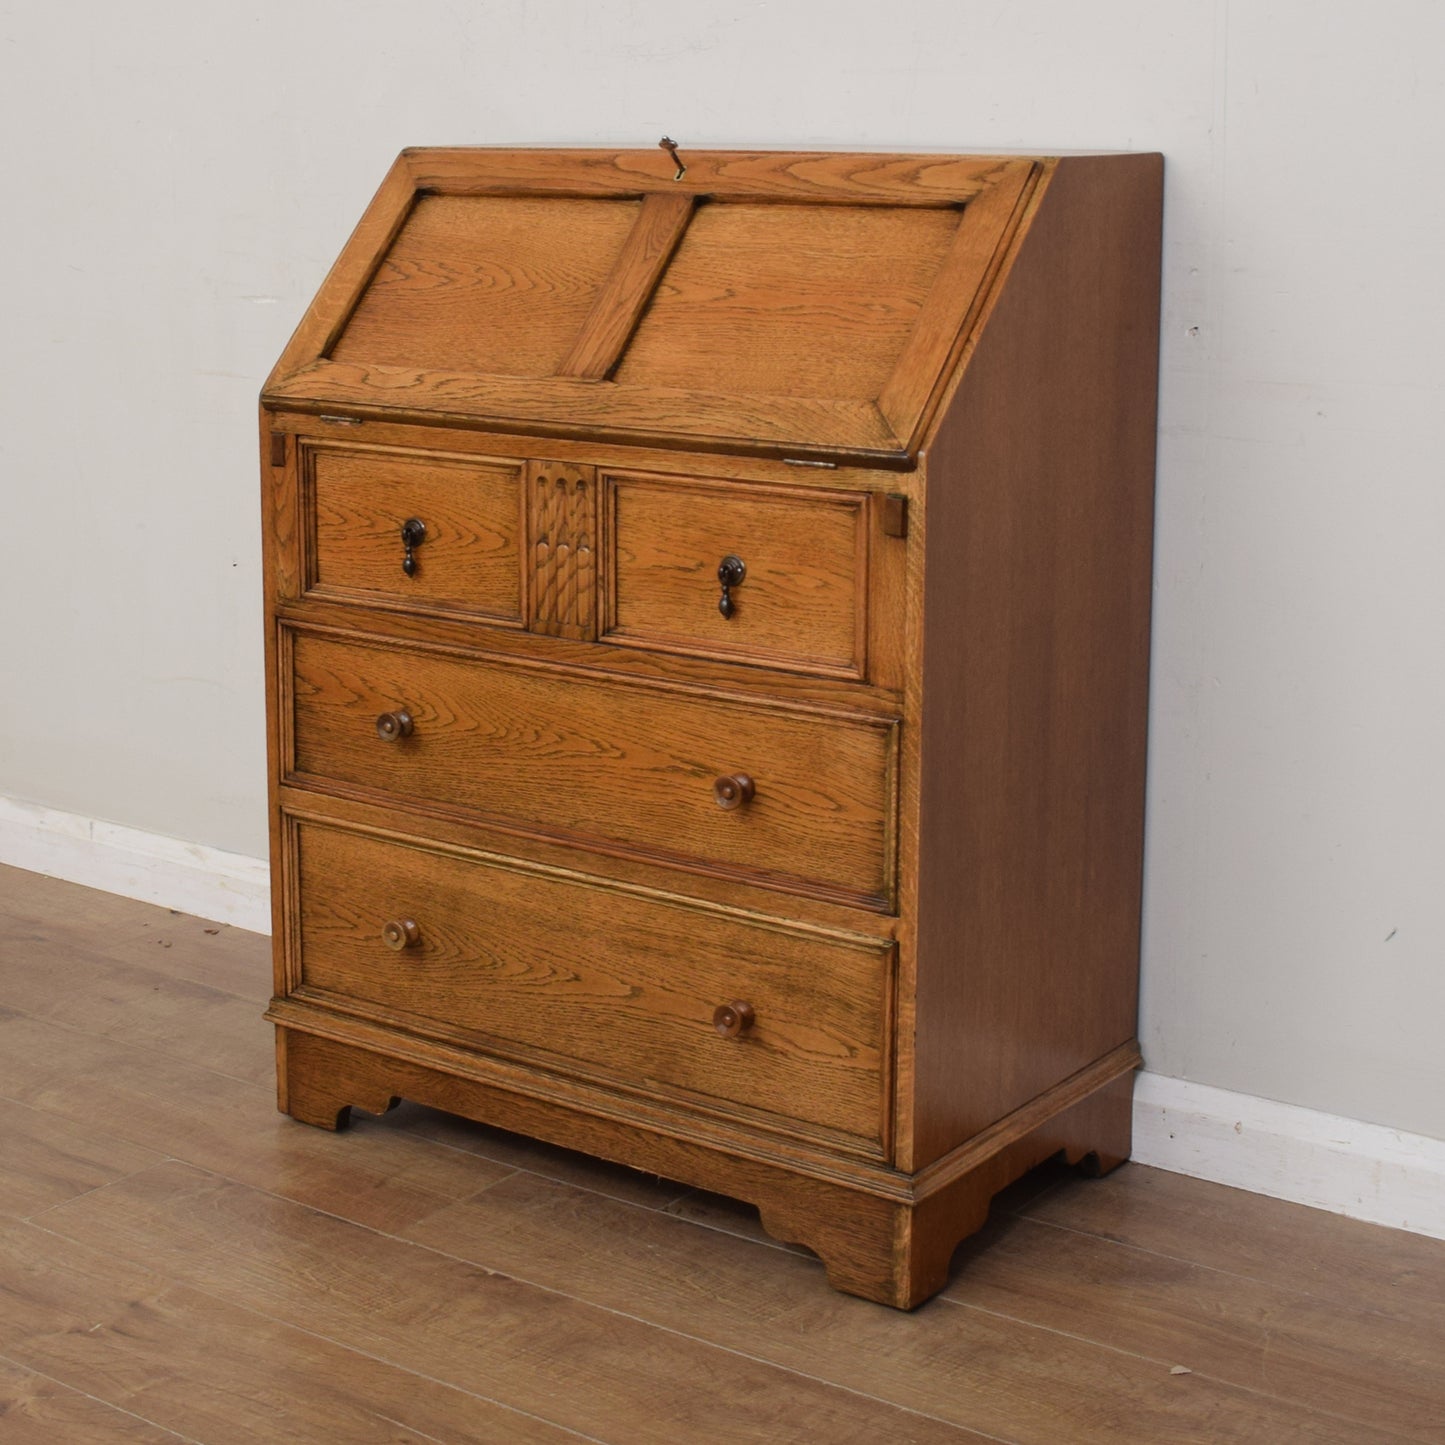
pixel 793 797
pixel 632 989
pixel 795 560
pixel 425 533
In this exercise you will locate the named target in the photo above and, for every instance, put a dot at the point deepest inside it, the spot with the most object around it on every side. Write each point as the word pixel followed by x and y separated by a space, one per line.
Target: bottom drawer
pixel 599 981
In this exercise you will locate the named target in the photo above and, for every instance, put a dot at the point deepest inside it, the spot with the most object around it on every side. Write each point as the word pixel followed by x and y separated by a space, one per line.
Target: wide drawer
pixel 799 554
pixel 597 981
pixel 647 768
pixel 426 533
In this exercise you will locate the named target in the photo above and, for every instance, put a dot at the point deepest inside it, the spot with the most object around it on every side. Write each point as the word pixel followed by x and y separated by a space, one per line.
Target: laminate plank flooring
pixel 180 1262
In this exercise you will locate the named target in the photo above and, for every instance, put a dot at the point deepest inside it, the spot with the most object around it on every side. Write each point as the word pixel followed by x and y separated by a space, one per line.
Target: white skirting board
pixel 228 887
pixel 1343 1165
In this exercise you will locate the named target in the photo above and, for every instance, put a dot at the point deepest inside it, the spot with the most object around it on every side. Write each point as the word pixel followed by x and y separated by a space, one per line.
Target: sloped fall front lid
pixel 793 304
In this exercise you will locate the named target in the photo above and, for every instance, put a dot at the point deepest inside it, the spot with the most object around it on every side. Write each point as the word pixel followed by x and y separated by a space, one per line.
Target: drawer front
pixel 802 599
pixel 465 556
pixel 637 766
pixel 615 985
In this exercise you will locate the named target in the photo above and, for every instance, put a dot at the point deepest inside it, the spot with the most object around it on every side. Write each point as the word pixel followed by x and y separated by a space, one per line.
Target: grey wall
pixel 177 177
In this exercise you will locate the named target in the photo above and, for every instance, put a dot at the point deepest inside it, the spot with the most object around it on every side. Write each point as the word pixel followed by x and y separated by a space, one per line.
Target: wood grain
pixel 959 288
pixel 570 1363
pixel 563 545
pixel 77 985
pixel 1011 1379
pixel 488 285
pixel 173 944
pixel 564 754
pixel 787 425
pixel 355 501
pixel 1344 1361
pixel 1339 1261
pixel 770 300
pixel 1035 663
pixel 213 1371
pixel 991 322
pixel 37 1410
pixel 348 278
pixel 600 982
pixel 879 177
pixel 803 603
pixel 134 1315
pixel 45 1160
pixel 176 1108
pixel 619 304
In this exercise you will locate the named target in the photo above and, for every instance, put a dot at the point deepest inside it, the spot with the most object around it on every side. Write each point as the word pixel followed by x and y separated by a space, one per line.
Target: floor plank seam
pixel 359 1350
pixel 1283 1287
pixel 574 1299
pixel 98 1400
pixel 94 1189
pixel 1307 1406
pixel 151 1049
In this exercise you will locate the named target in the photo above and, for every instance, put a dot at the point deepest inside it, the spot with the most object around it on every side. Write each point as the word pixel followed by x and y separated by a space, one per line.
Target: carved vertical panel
pixel 562 525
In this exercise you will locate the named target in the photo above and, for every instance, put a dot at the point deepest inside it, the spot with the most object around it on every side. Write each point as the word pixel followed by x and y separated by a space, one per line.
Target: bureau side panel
pixel 1035 663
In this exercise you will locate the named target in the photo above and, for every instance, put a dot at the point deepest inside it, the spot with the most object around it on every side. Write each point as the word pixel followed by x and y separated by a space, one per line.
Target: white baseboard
pixel 1348 1167
pixel 1342 1165
pixel 228 887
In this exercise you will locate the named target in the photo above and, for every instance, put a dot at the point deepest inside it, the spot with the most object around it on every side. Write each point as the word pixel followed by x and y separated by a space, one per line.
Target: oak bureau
pixel 707 623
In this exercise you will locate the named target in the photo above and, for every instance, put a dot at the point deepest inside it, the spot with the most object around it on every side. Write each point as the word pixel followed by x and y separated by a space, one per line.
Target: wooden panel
pixel 618 305
pixel 803 601
pixel 488 284
pixel 356 500
pixel 599 981
pixel 548 751
pixel 788 300
pixel 874 177
pixel 353 269
pixel 786 425
pixel 562 539
pixel 959 289
pixel 1035 663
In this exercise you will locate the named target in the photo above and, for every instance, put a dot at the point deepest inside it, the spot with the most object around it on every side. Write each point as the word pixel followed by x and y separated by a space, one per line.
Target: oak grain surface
pixel 469 561
pixel 152 1301
pixel 488 285
pixel 587 760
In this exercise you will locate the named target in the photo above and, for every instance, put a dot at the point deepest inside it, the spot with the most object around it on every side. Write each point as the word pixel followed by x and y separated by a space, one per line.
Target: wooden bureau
pixel 708 625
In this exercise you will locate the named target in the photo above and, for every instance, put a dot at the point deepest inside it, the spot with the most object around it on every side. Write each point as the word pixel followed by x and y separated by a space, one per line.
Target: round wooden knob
pixel 393 725
pixel 733 1020
pixel 401 933
pixel 733 791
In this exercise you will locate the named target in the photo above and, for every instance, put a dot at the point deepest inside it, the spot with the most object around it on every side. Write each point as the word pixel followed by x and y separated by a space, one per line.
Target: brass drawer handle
pixel 393 725
pixel 730 573
pixel 401 933
pixel 733 1020
pixel 413 534
pixel 733 791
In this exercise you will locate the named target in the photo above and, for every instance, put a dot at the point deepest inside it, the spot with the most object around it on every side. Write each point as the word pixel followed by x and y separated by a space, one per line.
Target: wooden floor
pixel 179 1262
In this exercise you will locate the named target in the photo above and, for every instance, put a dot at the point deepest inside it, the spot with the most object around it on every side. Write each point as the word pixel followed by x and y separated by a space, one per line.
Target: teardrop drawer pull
pixel 413 534
pixel 393 725
pixel 401 933
pixel 733 791
pixel 733 1020
pixel 730 573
